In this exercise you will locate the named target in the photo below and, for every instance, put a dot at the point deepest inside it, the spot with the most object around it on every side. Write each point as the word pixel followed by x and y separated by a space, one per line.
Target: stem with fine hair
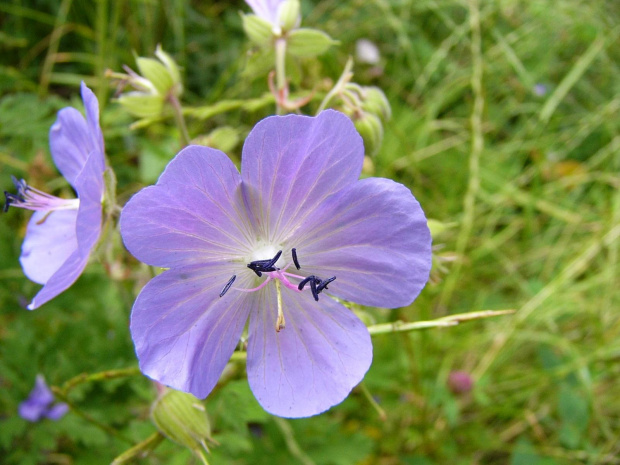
pixel 179 118
pixel 280 46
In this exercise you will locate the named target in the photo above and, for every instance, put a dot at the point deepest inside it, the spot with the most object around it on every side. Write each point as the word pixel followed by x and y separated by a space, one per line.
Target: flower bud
pixel 289 15
pixel 370 128
pixel 157 81
pixel 182 418
pixel 460 382
pixel 374 101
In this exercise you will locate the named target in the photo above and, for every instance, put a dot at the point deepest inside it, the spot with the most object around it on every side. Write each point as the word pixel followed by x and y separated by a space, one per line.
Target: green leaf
pixel 258 30
pixel 304 43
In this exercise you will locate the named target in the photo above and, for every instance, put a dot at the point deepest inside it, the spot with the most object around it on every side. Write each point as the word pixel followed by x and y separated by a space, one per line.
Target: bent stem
pixel 101 376
pixel 450 320
pixel 373 402
pixel 139 450
pixel 291 442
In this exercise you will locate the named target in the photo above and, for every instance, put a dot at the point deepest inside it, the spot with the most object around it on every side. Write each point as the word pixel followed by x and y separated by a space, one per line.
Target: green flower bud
pixel 173 69
pixel 182 418
pixel 157 82
pixel 374 101
pixel 308 42
pixel 370 128
pixel 258 30
pixel 289 15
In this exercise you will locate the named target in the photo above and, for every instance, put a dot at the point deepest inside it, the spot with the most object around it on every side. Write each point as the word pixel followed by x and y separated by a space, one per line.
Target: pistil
pixel 280 323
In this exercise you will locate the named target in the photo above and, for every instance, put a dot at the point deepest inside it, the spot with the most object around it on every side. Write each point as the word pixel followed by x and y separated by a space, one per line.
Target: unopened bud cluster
pixel 369 108
pixel 157 81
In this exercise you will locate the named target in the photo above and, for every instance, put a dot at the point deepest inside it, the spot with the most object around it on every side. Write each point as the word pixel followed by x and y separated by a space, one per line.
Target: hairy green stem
pixel 179 118
pixel 280 72
pixel 100 376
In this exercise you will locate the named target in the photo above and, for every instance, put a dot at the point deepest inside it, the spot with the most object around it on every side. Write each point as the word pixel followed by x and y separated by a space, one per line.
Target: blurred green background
pixel 505 126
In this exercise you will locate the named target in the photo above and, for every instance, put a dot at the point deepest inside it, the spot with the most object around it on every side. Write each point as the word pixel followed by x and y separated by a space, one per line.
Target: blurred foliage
pixel 534 217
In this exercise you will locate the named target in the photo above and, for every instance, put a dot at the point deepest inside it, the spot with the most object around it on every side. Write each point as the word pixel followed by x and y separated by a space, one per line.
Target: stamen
pixel 280 323
pixel 323 284
pixel 306 281
pixel 228 284
pixel 264 266
pixel 315 294
pixel 295 261
pixel 316 285
pixel 33 199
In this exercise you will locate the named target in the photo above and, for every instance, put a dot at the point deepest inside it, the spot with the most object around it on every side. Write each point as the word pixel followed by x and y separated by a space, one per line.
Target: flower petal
pixel 292 163
pixel 266 9
pixel 193 214
pixel 50 240
pixel 91 107
pixel 73 138
pixel 183 331
pixel 35 406
pixel 57 411
pixel 311 364
pixel 373 236
pixel 89 186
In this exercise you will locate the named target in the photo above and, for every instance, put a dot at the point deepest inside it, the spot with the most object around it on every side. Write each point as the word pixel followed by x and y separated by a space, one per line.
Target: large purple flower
pixel 40 404
pixel 266 245
pixel 62 232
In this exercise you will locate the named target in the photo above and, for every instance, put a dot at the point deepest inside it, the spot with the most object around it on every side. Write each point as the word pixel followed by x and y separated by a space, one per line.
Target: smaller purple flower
pixel 40 404
pixel 62 232
pixel 270 11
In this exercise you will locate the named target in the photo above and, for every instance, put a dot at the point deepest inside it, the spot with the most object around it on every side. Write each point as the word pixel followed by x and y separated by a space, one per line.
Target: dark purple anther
pixel 264 266
pixel 228 284
pixel 295 261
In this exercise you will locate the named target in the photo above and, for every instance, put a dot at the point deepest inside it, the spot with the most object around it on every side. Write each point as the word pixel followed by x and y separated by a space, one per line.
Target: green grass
pixel 527 185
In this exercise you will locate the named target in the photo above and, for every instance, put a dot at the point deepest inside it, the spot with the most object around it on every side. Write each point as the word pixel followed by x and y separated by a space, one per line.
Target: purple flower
pixel 62 232
pixel 272 244
pixel 269 10
pixel 40 404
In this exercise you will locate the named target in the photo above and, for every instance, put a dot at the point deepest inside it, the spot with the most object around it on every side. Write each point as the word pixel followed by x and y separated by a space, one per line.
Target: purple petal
pixel 373 236
pixel 91 106
pixel 73 138
pixel 50 240
pixel 183 332
pixel 35 406
pixel 292 163
pixel 89 186
pixel 314 362
pixel 57 411
pixel 31 411
pixel 266 9
pixel 195 213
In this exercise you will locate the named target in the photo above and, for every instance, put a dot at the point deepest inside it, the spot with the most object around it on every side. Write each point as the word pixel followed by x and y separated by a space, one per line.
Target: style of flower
pixel 280 244
pixel 62 232
pixel 40 404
